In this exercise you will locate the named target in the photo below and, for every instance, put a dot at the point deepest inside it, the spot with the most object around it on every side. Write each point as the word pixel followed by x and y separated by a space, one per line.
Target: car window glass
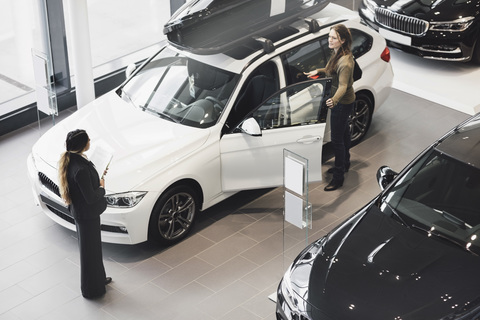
pixel 361 42
pixel 295 105
pixel 181 89
pixel 305 58
pixel 259 86
pixel 440 193
pixel 315 55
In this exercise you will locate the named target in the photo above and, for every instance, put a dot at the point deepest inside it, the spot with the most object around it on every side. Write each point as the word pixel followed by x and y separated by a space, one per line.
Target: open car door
pixel 293 119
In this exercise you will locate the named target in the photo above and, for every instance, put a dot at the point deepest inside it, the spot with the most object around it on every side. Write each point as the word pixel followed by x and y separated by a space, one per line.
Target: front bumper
pixel 121 226
pixel 451 46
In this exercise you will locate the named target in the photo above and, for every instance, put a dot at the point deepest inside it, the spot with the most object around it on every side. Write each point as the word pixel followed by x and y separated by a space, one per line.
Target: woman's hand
pixel 102 183
pixel 329 103
pixel 311 73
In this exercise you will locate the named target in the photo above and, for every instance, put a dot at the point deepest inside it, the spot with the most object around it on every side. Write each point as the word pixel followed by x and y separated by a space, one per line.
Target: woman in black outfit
pixel 84 192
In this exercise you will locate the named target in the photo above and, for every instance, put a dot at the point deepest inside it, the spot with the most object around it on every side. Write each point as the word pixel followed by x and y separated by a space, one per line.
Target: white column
pixel 79 43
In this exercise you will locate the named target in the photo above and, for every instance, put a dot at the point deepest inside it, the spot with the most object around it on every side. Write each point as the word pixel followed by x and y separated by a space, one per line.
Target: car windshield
pixel 180 89
pixel 440 195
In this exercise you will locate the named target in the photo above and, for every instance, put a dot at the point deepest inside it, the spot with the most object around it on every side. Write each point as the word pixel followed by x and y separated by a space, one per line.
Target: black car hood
pixel 433 10
pixel 379 269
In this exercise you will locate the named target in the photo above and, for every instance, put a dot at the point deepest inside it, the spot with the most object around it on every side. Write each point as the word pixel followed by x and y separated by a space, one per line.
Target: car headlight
pixel 458 25
pixel 125 200
pixel 288 294
pixel 370 5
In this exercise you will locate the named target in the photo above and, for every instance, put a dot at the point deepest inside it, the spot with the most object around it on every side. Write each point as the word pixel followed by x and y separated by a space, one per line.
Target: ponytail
pixel 75 143
pixel 62 177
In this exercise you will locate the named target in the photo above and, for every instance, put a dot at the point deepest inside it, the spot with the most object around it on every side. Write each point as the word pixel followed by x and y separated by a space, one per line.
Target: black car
pixel 434 29
pixel 411 253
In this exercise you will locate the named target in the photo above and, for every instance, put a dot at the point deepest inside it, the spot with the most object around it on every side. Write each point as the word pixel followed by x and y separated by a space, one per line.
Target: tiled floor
pixel 230 264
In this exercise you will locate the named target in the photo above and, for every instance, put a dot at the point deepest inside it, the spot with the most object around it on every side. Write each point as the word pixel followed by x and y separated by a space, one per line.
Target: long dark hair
pixel 344 34
pixel 75 143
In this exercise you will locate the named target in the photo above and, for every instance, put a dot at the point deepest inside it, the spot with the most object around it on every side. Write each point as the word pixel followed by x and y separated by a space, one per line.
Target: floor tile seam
pixel 126 269
pixel 4 252
pixel 198 234
pixel 20 302
pixel 282 255
pixel 223 264
pixel 238 231
pixel 259 294
pixel 186 284
pixel 238 254
pixel 44 292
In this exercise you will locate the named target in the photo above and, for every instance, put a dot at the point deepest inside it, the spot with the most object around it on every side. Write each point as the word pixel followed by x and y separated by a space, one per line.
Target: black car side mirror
pixel 385 176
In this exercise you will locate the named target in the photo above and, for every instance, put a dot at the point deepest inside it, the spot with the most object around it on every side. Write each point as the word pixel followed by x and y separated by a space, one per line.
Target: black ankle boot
pixel 333 185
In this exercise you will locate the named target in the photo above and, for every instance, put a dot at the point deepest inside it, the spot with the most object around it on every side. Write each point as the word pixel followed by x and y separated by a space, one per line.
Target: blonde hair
pixel 76 142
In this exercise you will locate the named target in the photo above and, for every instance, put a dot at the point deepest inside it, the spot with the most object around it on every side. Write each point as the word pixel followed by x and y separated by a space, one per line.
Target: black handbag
pixel 357 71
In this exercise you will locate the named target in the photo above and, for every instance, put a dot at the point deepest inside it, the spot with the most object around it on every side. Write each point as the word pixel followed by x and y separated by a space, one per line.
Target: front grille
pixel 49 184
pixel 399 22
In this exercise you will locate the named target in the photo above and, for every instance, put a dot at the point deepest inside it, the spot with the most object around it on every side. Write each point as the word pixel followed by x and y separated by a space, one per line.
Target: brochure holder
pixel 297 210
pixel 44 85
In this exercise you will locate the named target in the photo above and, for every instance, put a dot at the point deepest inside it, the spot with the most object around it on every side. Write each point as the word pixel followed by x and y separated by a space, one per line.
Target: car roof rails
pixel 217 26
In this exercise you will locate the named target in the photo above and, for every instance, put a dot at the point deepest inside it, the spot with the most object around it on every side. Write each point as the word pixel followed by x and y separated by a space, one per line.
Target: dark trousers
pixel 341 139
pixel 92 271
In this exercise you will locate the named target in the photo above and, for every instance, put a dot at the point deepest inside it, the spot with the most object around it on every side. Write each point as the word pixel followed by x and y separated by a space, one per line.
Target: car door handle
pixel 309 139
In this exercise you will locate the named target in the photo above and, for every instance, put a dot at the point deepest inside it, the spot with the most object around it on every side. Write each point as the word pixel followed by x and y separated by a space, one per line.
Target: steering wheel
pixel 217 104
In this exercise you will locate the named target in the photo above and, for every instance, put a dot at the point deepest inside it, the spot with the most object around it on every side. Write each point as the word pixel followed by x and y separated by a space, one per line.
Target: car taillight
pixel 385 56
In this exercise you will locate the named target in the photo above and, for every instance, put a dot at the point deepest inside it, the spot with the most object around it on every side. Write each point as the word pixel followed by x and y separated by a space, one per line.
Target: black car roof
pixel 464 144
pixel 217 26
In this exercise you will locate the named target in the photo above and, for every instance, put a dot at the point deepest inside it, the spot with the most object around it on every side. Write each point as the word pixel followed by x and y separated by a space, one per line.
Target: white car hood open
pixel 142 144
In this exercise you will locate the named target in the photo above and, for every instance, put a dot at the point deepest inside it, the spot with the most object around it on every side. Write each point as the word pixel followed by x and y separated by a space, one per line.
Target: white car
pixel 189 130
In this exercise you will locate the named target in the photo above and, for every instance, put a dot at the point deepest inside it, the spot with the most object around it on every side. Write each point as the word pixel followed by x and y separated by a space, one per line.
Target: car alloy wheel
pixel 361 117
pixel 173 215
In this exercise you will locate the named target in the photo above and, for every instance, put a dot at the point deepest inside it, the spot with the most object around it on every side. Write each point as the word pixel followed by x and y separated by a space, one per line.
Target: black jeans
pixel 341 139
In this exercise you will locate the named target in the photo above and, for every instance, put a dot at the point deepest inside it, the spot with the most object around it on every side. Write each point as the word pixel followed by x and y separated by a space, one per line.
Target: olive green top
pixel 342 81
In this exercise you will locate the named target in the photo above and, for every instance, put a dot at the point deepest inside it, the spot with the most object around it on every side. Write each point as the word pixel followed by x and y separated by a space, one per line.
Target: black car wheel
pixel 360 118
pixel 173 215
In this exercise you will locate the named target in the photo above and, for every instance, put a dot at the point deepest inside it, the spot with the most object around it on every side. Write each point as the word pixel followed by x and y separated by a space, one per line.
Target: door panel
pixel 292 119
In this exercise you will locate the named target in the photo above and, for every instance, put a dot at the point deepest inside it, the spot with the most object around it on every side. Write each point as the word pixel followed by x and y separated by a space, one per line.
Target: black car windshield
pixel 180 89
pixel 442 196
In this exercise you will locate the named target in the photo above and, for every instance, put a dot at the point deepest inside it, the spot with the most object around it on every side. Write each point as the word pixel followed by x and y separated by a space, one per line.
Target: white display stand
pixel 44 85
pixel 297 209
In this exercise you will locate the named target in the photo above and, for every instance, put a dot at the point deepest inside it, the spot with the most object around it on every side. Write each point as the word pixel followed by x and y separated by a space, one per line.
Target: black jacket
pixel 88 198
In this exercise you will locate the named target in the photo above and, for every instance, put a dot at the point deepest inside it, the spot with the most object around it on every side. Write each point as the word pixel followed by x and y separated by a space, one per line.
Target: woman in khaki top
pixel 340 68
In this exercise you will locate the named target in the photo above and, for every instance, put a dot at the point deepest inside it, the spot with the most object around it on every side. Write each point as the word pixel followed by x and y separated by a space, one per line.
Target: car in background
pixel 441 30
pixel 410 253
pixel 188 129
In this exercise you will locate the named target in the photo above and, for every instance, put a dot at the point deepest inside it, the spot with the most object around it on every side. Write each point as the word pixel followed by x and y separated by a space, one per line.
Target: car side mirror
pixel 130 69
pixel 385 176
pixel 251 127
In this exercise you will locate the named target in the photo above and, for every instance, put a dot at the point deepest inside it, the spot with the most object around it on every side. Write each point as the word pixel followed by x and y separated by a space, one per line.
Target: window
pixel 305 58
pixel 315 55
pixel 295 105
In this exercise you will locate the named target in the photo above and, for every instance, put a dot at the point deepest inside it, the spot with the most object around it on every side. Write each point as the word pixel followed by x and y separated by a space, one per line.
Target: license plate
pixel 395 37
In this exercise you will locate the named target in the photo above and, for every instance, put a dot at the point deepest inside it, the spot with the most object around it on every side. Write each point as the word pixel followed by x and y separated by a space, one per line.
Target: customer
pixel 340 68
pixel 84 193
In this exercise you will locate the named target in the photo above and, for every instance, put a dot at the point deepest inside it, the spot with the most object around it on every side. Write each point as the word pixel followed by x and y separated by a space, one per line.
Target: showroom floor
pixel 226 269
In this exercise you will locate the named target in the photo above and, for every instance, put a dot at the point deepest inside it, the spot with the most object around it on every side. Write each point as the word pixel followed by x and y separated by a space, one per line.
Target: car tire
pixel 361 117
pixel 173 215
